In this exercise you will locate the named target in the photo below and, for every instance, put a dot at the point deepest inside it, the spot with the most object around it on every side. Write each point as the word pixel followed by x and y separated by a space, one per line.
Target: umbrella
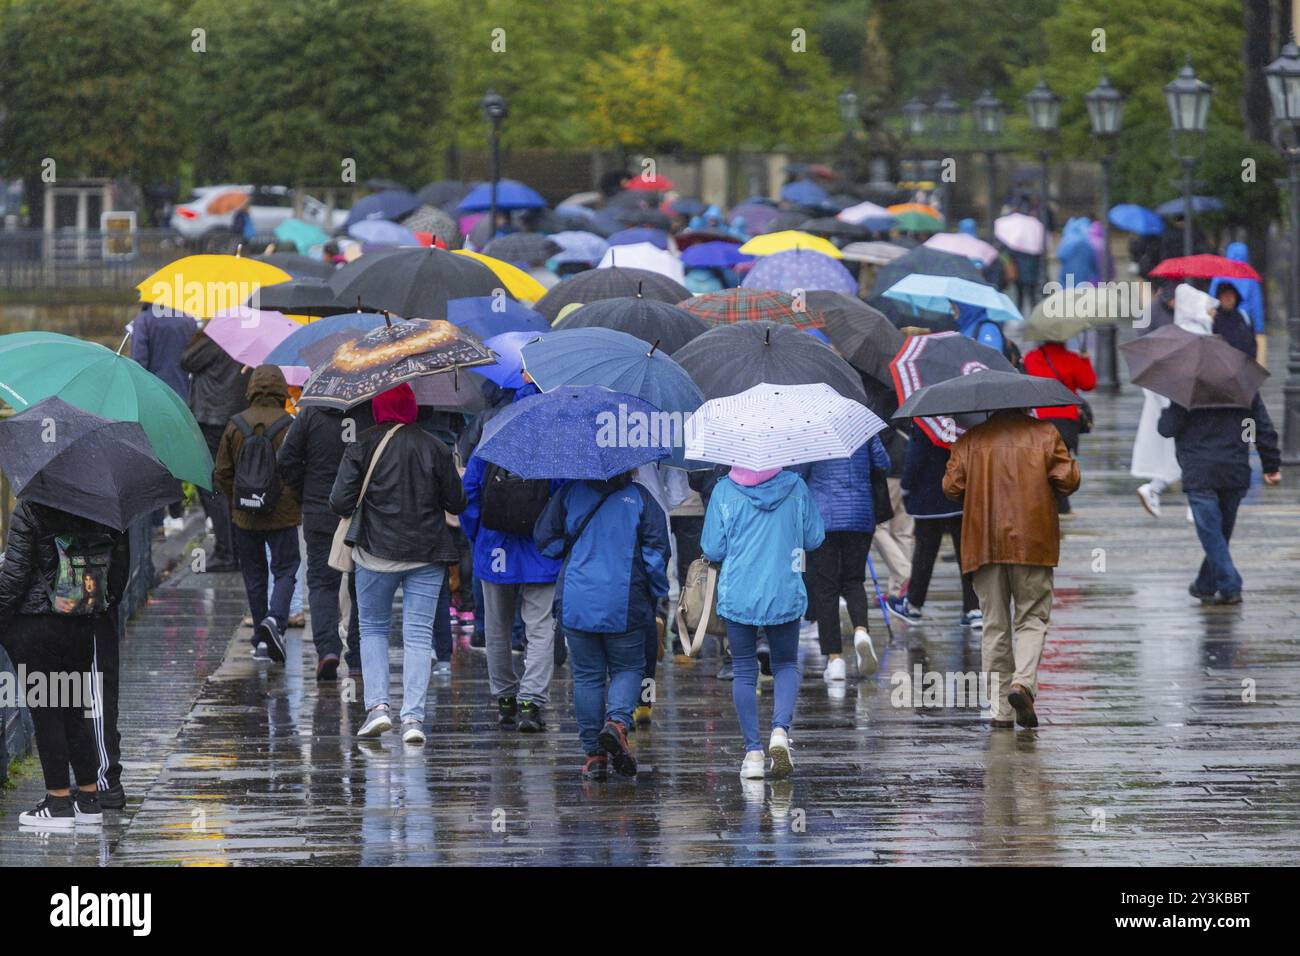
pixel 381 232
pixel 961 244
pixel 486 316
pixel 686 206
pixel 1138 219
pixel 390 204
pixel 510 195
pixel 228 202
pixel 928 359
pixel 920 208
pixel 1067 312
pixel 1204 267
pixel 732 358
pixel 874 253
pixel 414 282
pixel 305 296
pixel 714 255
pixel 1196 371
pixel 578 246
pixel 906 317
pixel 304 345
pixel 508 370
pixel 248 335
pixel 755 215
pixel 516 281
pixel 773 242
pixel 1200 204
pixel 774 426
pixel 530 248
pixel 434 221
pixel 647 319
pixel 361 369
pixel 863 335
pixel 37 365
pixel 443 192
pixel 917 222
pixel 298 266
pixel 458 392
pixel 928 261
pixel 690 237
pixel 833 228
pixel 936 293
pixel 610 283
pixel 800 269
pixel 750 305
pixel 803 193
pixel 646 256
pixel 303 235
pixel 785 220
pixel 627 237
pixel 986 391
pixel 58 455
pixel 862 211
pixel 574 432
pixel 203 285
pixel 649 184
pixel 1020 233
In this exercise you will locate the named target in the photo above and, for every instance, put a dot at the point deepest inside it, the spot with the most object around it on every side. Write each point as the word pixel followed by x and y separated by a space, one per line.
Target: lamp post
pixel 988 126
pixel 1044 117
pixel 916 117
pixel 1188 99
pixel 1283 76
pixel 1106 114
pixel 947 114
pixel 850 118
pixel 494 109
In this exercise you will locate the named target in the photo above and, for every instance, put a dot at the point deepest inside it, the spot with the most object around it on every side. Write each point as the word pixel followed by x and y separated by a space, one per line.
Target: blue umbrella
pixel 510 195
pixel 487 315
pixel 937 293
pixel 713 255
pixel 804 193
pixel 618 361
pixel 800 269
pixel 381 232
pixel 626 237
pixel 508 370
pixel 391 204
pixel 578 246
pixel 585 432
pixel 1200 204
pixel 878 223
pixel 1137 219
pixel 305 345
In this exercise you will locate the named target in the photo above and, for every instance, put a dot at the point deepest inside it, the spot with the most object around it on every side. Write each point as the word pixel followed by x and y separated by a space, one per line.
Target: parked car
pixel 211 229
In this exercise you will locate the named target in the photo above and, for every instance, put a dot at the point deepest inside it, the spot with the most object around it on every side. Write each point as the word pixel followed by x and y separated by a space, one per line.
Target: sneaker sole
pixel 376 729
pixel 1146 507
pixel 89 820
pixel 622 761
pixel 782 765
pixel 868 663
pixel 751 773
pixel 274 643
pixel 53 824
pixel 415 739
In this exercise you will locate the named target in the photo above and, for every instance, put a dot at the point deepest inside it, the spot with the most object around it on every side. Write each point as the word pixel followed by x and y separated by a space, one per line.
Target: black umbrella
pixel 443 193
pixel 298 266
pixel 612 283
pixel 456 391
pixel 863 335
pixel 300 297
pixel 648 319
pixel 532 248
pixel 783 220
pixel 833 228
pixel 58 455
pixel 413 282
pixel 902 316
pixel 927 261
pixel 986 391
pixel 729 359
pixel 929 359
pixel 1196 371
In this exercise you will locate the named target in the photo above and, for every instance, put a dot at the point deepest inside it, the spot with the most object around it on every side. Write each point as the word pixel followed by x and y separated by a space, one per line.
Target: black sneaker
pixel 764 654
pixel 478 640
pixel 88 811
pixel 613 740
pixel 268 633
pixel 725 671
pixel 596 767
pixel 114 798
pixel 1202 596
pixel 507 709
pixel 1228 598
pixel 530 717
pixel 52 813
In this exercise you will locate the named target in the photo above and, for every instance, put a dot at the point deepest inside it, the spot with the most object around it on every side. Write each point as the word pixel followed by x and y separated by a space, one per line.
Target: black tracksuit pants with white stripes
pixel 108 741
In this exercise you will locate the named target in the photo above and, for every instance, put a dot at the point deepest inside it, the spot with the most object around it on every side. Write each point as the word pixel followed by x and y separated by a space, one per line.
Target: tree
pixel 641 98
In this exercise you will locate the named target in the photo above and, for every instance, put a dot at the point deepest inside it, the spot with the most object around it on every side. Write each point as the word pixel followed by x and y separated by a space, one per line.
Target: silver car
pixel 212 231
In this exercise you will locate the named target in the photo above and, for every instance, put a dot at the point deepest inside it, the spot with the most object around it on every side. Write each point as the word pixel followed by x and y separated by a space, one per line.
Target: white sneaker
pixel 377 722
pixel 754 766
pixel 866 651
pixel 834 670
pixel 173 525
pixel 1150 499
pixel 1191 518
pixel 412 732
pixel 778 748
pixel 207 525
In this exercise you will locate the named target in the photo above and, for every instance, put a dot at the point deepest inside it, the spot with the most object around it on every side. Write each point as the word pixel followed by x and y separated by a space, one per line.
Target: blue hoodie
pixel 973 322
pixel 1252 299
pixel 760 535
pixel 1078 260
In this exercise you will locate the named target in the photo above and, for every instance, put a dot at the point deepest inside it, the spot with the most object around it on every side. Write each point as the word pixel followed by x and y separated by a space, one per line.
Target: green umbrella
pixel 917 222
pixel 36 365
pixel 304 235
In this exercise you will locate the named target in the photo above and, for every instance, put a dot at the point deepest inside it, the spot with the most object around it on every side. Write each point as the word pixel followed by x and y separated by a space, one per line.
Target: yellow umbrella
pixel 204 285
pixel 767 244
pixel 517 282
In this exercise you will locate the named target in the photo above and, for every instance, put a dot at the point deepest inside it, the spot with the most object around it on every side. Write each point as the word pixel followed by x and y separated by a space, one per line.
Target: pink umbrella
pixel 961 244
pixel 1020 233
pixel 248 335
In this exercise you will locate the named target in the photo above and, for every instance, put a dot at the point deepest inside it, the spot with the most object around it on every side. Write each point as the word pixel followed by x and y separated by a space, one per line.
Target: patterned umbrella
pixel 610 283
pixel 927 359
pixel 648 319
pixel 750 305
pixel 299 348
pixel 800 269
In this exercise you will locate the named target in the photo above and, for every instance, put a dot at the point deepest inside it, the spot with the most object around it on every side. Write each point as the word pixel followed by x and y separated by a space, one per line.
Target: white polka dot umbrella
pixel 771 426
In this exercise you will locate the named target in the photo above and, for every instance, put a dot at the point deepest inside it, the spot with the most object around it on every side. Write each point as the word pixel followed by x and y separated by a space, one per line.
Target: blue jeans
pixel 375 592
pixel 1215 514
pixel 783 640
pixel 592 658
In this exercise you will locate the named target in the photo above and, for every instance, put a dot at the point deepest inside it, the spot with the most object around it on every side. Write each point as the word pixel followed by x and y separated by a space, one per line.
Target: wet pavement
pixel 1170 734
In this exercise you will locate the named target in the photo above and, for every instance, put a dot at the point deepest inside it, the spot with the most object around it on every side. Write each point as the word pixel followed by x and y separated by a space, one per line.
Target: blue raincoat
pixel 1252 299
pixel 973 322
pixel 1077 257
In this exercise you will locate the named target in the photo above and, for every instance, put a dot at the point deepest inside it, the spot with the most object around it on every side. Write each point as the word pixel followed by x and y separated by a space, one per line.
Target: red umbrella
pixel 1204 267
pixel 649 184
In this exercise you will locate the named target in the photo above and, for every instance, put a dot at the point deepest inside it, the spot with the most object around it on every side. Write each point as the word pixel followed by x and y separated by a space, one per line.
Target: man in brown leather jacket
pixel 1007 473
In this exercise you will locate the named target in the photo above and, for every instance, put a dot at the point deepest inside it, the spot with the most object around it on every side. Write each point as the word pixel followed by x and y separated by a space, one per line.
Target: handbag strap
pixel 582 526
pixel 697 639
pixel 374 460
pixel 1054 370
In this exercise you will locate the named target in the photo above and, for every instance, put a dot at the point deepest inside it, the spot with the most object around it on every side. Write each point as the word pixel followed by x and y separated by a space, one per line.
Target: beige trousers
pixel 894 539
pixel 1013 641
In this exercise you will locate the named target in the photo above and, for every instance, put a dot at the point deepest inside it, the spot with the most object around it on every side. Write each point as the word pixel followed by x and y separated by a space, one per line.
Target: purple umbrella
pixel 249 335
pixel 627 237
pixel 714 255
pixel 508 370
pixel 381 232
pixel 756 216
pixel 800 269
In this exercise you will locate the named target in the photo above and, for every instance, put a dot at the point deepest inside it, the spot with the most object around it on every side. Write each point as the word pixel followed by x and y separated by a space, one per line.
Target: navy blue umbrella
pixel 574 432
pixel 1200 204
pixel 391 204
pixel 486 316
pixel 626 237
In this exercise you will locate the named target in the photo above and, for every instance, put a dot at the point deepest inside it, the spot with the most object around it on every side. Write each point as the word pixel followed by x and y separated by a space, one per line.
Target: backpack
pixel 81 576
pixel 512 504
pixel 257 479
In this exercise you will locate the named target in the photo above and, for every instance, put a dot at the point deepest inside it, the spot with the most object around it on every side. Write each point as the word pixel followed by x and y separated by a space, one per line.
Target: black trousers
pixel 251 547
pixel 929 535
pixel 51 645
pixel 323 584
pixel 108 740
pixel 215 505
pixel 1069 429
pixel 838 569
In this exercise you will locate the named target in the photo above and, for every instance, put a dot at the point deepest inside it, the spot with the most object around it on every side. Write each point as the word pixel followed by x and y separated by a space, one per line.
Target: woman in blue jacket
pixel 613 541
pixel 759 526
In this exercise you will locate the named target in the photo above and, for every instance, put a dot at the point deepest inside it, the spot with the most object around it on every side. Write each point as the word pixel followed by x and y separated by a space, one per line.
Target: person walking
pixel 1074 371
pixel 842 490
pixel 399 538
pixel 895 538
pixel 1006 473
pixel 159 336
pixel 760 525
pixel 611 540
pixel 265 513
pixel 1252 298
pixel 1230 323
pixel 1214 455
pixel 47 637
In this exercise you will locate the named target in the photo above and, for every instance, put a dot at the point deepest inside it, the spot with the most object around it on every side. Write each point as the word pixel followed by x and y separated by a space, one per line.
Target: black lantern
pixel 494 106
pixel 988 114
pixel 915 115
pixel 1105 108
pixel 1044 108
pixel 848 101
pixel 1188 100
pixel 1283 76
pixel 948 114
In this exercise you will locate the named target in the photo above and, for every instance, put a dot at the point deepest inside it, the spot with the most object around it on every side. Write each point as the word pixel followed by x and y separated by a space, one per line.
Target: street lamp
pixel 851 119
pixel 916 117
pixel 494 109
pixel 1283 77
pixel 988 126
pixel 1044 117
pixel 1188 99
pixel 948 114
pixel 1106 114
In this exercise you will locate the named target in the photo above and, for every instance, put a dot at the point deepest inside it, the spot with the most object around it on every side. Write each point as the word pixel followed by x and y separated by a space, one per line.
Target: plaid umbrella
pixel 750 305
pixel 609 283
pixel 927 359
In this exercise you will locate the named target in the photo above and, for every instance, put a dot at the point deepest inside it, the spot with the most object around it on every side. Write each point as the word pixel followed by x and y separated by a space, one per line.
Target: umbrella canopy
pixel 443 192
pixel 646 256
pixel 804 193
pixel 610 283
pixel 1020 233
pixel 508 369
pixel 516 281
pixel 929 359
pixel 789 239
pixel 302 235
pixel 529 248
pixel 774 426
pixel 917 222
pixel 1137 219
pixel 755 215
pixel 863 335
pixel 203 285
pixel 229 201
pixel 750 305
pixel 486 316
pixel 832 228
pixel 1196 371
pixel 862 211
pixel 928 261
pixel 381 232
pixel 986 391
pixel 578 246
pixel 1204 267
pixel 305 296
pixel 962 244
pixel 714 255
pixel 649 184
pixel 873 253
pixel 311 345
pixel 936 293
pixel 800 269
pixel 37 365
pixel 691 237
pixel 436 223
pixel 511 194
pixel 574 432
pixel 415 282
pixel 458 392
pixel 59 455
pixel 1067 312
pixel 920 208
pixel 1200 204
pixel 390 204
pixel 248 335
pixel 686 206
pixel 628 237
pixel 298 266
pixel 361 369
pixel 731 358
pixel 648 319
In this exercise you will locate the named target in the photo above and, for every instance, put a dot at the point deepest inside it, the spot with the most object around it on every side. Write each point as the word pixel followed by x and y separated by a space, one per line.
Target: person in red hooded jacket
pixel 1074 371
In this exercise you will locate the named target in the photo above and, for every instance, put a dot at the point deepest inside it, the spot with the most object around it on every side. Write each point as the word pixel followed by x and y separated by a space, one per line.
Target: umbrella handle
pixel 124 341
pixel 884 608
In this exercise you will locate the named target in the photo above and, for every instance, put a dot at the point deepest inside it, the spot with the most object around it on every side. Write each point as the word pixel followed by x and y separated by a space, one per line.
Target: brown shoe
pixel 1023 701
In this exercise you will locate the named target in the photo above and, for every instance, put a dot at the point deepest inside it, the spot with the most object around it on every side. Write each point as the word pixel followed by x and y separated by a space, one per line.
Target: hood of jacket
pixel 1192 309
pixel 769 495
pixel 267 386
pixel 1238 252
pixel 395 405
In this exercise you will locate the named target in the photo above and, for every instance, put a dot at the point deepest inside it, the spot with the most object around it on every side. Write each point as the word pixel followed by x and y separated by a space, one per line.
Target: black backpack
pixel 512 504
pixel 257 479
